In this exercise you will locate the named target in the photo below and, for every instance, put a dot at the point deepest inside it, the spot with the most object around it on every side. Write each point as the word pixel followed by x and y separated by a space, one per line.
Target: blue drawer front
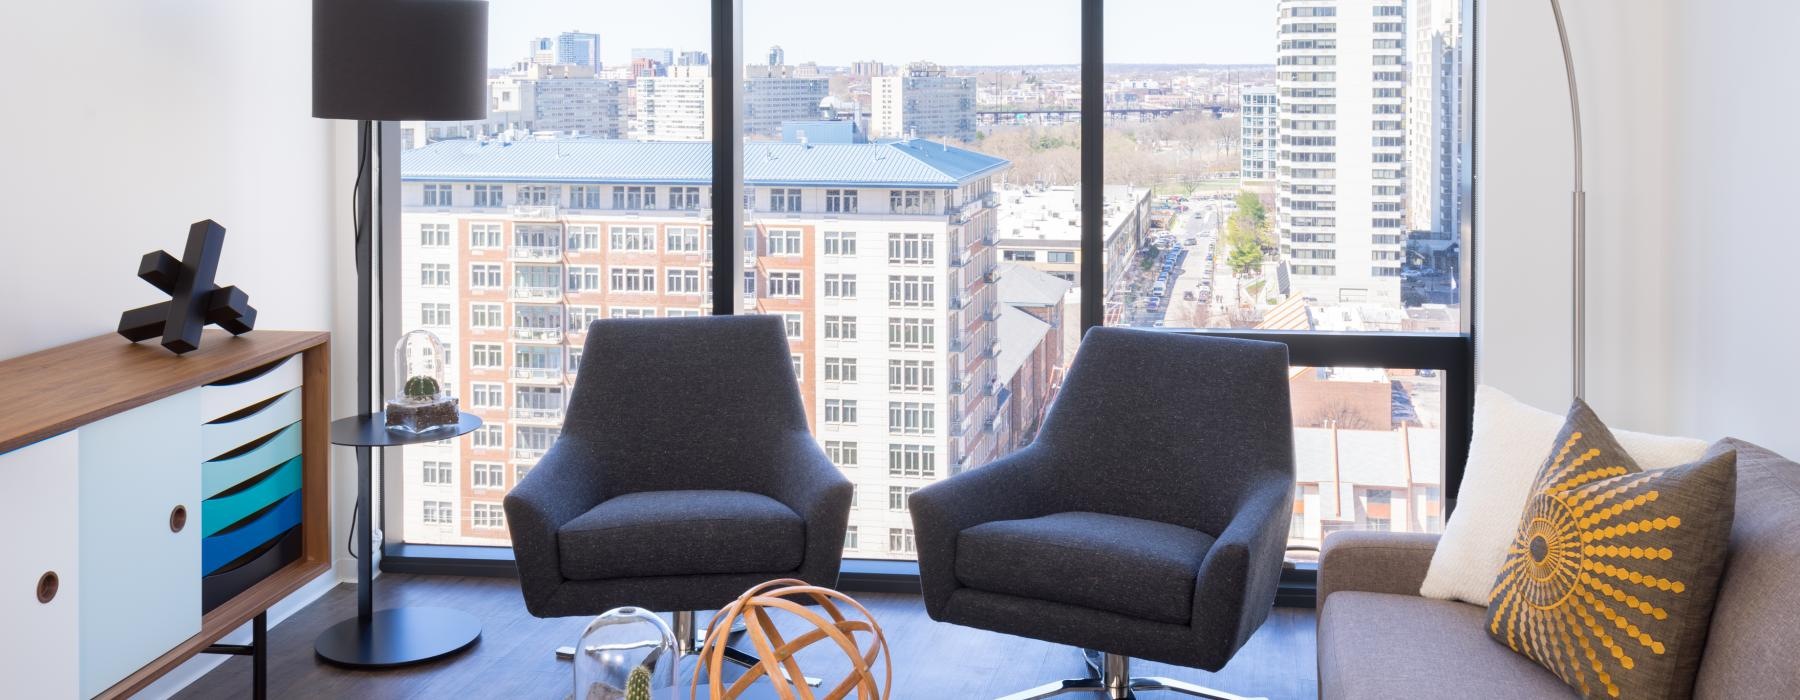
pixel 221 549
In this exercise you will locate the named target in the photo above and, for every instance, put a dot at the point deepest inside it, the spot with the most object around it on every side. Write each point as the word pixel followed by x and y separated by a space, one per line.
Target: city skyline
pixel 1186 32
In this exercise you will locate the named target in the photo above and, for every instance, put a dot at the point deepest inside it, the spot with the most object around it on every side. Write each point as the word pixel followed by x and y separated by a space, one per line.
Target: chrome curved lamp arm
pixel 1579 206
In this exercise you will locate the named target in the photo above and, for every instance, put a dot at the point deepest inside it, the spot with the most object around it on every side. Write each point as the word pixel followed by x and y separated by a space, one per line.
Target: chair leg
pixel 1072 685
pixel 1110 675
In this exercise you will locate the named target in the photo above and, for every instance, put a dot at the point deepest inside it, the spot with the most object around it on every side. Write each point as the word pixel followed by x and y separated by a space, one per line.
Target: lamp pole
pixel 1579 207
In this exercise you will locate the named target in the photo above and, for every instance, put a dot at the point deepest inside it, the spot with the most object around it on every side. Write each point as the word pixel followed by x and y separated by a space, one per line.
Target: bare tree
pixel 1342 414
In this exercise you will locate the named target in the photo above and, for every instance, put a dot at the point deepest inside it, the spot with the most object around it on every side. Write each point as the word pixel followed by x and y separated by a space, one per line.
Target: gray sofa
pixel 1378 639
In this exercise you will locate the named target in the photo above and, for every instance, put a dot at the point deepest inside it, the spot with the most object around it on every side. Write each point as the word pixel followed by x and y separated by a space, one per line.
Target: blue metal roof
pixel 914 163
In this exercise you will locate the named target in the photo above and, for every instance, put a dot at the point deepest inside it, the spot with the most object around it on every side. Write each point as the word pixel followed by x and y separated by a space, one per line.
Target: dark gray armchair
pixel 1148 519
pixel 685 474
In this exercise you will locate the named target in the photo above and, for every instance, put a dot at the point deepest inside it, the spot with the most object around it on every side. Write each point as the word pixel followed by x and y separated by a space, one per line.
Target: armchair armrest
pixel 1236 586
pixel 818 491
pixel 1005 489
pixel 564 484
pixel 1375 562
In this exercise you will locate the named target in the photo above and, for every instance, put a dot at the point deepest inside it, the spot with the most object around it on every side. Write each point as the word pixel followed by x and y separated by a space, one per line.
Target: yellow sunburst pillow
pixel 1610 579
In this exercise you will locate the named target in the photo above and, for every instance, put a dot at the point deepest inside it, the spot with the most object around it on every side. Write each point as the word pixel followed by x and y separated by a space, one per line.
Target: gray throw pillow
pixel 1610 579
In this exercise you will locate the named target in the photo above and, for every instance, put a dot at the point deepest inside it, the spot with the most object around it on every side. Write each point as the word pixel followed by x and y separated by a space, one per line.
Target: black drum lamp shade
pixel 397 60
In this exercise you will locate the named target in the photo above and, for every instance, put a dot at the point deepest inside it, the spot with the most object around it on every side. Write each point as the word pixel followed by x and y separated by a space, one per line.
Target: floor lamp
pixel 1578 238
pixel 374 61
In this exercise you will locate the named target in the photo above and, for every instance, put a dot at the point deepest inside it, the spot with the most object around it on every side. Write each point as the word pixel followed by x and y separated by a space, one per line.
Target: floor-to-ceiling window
pixel 912 206
pixel 1284 167
pixel 583 195
pixel 875 163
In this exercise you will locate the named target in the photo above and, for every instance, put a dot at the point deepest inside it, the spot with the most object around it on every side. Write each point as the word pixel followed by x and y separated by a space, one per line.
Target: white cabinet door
pixel 140 593
pixel 39 654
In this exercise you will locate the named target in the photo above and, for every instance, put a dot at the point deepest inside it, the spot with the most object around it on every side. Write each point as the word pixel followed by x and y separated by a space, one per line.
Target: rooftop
pixel 912 163
pixel 1023 286
pixel 1053 214
pixel 1020 333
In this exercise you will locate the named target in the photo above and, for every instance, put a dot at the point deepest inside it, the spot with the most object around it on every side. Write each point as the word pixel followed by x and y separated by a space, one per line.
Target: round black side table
pixel 395 636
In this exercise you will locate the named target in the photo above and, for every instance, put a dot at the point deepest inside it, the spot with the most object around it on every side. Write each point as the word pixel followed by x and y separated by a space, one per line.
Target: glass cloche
pixel 626 654
pixel 419 401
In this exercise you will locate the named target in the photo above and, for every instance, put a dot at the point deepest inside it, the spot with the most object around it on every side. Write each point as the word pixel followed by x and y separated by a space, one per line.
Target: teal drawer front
pixel 221 474
pixel 221 549
pixel 224 511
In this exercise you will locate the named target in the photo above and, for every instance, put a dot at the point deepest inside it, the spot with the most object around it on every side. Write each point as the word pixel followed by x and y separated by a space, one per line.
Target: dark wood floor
pixel 514 658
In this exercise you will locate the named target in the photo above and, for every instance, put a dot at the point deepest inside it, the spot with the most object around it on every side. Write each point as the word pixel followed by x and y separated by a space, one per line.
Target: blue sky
pixel 962 32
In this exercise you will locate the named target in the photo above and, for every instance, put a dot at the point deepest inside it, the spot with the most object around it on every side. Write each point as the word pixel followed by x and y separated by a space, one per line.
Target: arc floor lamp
pixel 1578 238
pixel 373 61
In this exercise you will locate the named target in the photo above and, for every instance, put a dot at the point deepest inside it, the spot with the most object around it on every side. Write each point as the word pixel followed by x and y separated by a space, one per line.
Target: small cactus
pixel 637 685
pixel 420 387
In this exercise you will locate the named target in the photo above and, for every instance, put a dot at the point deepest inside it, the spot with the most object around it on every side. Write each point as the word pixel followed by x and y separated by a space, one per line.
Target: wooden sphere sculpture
pixel 777 652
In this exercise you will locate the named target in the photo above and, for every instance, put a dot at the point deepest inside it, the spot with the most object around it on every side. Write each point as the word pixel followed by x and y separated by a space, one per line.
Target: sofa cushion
pixel 1756 618
pixel 1382 645
pixel 1140 568
pixel 1505 450
pixel 1610 578
pixel 681 533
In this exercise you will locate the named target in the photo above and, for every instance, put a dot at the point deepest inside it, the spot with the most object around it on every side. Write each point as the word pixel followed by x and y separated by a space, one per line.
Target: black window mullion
pixel 727 157
pixel 1093 164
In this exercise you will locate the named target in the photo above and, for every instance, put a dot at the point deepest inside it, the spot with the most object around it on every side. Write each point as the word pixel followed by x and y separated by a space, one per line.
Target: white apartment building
pixel 1433 130
pixel 771 97
pixel 538 99
pixel 1259 139
pixel 923 101
pixel 672 109
pixel 879 256
pixel 1340 168
pixel 560 100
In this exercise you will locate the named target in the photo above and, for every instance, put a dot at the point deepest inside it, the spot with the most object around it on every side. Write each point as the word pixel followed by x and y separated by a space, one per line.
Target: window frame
pixel 1448 352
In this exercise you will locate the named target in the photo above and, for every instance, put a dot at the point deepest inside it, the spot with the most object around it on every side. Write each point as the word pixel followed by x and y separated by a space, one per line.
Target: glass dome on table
pixel 419 400
pixel 626 654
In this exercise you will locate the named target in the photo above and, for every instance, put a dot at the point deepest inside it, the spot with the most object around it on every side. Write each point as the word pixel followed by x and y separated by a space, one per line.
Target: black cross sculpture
pixel 194 300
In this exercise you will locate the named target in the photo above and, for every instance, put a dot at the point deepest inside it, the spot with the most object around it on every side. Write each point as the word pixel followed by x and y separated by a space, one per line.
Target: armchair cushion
pixel 1140 568
pixel 681 533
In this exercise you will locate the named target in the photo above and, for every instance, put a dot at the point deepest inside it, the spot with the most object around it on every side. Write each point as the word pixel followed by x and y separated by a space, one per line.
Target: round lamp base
pixel 398 637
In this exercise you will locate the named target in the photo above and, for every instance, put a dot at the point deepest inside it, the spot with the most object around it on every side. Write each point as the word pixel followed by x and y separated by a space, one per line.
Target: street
pixel 1200 290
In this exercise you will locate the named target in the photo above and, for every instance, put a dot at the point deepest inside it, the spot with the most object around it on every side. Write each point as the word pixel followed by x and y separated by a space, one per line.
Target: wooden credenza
pixel 158 502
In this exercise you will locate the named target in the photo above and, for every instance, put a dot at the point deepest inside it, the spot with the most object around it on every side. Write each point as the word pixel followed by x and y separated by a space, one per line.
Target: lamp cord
pixel 362 173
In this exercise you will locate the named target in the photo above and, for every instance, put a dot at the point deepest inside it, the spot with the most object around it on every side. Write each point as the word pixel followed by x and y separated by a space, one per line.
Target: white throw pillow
pixel 1509 444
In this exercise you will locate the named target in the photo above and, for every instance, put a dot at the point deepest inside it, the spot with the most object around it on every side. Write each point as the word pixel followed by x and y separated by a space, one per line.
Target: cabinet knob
pixel 47 585
pixel 177 518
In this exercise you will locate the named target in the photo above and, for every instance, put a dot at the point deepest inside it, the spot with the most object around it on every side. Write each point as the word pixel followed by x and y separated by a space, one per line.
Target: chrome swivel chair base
pixel 689 638
pixel 1110 674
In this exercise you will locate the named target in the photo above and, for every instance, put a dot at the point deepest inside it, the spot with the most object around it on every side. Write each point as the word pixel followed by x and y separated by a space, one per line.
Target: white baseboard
pixel 191 670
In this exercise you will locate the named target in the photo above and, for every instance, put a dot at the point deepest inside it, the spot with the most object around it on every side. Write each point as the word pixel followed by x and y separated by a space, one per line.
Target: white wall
pixel 123 123
pixel 126 122
pixel 1686 329
pixel 1736 335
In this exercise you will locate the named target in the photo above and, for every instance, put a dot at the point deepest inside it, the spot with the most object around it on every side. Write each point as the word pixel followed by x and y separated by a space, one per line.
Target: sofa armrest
pixel 1374 562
